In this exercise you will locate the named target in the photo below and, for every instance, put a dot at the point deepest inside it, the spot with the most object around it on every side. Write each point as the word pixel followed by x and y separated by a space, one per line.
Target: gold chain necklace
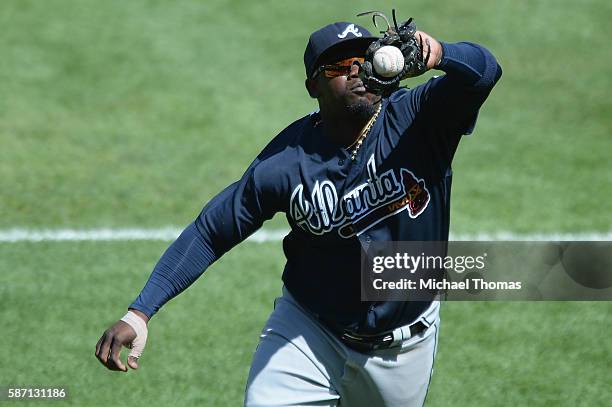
pixel 364 134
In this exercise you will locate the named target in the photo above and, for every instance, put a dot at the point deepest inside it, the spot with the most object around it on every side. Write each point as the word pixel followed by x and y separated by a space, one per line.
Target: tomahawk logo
pixel 350 29
pixel 380 197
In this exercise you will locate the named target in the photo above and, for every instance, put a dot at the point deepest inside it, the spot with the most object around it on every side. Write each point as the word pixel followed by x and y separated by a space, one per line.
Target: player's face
pixel 339 86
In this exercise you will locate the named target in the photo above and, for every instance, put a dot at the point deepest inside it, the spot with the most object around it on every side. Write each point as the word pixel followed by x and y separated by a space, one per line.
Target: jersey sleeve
pixel 446 107
pixel 471 73
pixel 450 103
pixel 239 210
pixel 228 219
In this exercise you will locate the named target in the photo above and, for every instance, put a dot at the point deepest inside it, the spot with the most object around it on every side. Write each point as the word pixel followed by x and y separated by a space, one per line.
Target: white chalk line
pixel 16 235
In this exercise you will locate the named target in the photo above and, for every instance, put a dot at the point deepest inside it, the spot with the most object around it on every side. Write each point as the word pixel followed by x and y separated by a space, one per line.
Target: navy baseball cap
pixel 337 40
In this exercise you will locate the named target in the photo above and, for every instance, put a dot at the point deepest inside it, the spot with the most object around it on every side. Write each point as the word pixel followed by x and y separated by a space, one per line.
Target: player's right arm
pixel 225 221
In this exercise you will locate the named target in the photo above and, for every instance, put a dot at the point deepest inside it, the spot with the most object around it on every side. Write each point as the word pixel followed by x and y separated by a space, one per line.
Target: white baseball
pixel 388 61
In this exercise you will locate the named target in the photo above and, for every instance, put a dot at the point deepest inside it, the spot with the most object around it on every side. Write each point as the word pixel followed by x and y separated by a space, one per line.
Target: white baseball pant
pixel 299 362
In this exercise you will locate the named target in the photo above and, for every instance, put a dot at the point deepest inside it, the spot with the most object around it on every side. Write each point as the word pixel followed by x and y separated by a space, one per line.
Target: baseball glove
pixel 402 37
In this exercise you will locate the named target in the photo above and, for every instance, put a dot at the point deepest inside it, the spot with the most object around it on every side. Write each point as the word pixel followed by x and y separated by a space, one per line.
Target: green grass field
pixel 134 114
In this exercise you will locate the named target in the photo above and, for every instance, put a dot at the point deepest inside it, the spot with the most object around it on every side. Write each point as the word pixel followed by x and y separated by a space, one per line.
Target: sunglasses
pixel 339 68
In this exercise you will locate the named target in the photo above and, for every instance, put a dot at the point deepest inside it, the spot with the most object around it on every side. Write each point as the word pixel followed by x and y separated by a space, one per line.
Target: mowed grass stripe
pixel 263 235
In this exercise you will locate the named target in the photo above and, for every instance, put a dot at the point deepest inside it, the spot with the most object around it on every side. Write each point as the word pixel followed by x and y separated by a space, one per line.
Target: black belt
pixel 368 343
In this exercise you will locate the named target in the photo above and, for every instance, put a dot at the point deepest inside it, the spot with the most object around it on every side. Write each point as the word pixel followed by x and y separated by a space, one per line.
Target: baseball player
pixel 373 163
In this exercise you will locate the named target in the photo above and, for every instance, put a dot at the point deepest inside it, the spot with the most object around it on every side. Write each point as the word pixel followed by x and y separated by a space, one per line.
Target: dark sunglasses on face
pixel 338 68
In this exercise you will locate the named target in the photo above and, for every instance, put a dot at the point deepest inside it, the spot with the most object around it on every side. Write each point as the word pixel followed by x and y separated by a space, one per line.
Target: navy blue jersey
pixel 397 188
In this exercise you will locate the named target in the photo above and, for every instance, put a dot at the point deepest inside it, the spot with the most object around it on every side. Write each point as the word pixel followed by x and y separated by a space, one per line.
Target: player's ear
pixel 311 87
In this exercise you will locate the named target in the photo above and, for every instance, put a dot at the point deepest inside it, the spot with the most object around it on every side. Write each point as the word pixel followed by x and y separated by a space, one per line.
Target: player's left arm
pixel 471 72
pixel 446 106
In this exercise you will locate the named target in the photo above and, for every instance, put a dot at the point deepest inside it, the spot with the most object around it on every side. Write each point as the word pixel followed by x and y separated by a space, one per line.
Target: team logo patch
pixel 380 197
pixel 350 29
